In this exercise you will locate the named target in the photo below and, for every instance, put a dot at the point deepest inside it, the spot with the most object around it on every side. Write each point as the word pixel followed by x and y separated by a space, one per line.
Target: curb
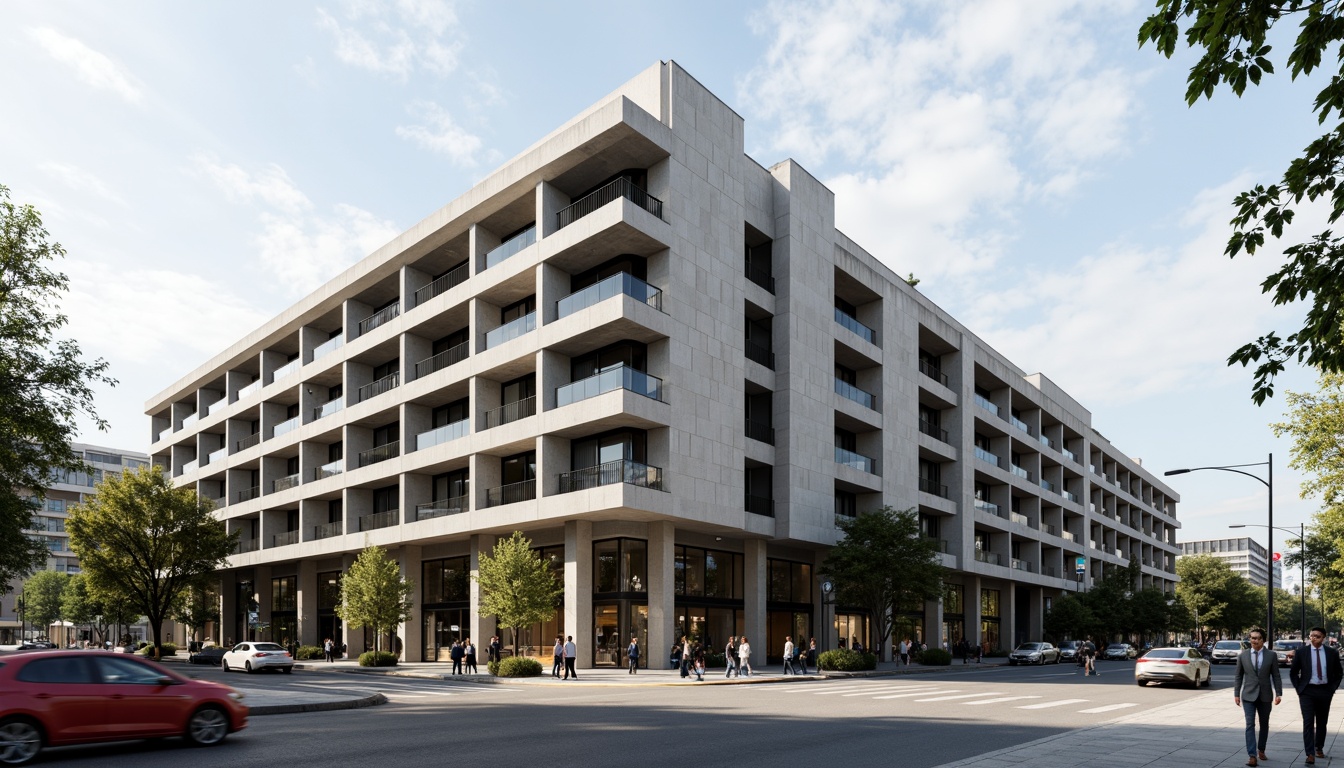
pixel 325 706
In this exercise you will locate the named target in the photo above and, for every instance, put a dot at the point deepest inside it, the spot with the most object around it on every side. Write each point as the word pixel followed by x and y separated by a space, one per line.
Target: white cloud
pixel 440 134
pixel 271 186
pixel 395 37
pixel 81 180
pixel 90 66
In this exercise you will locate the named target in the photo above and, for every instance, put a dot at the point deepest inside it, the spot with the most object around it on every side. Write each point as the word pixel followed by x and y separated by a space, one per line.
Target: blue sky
pixel 207 165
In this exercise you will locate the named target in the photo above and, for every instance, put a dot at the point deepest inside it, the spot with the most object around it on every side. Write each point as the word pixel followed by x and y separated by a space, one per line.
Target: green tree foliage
pixel 42 598
pixel 77 605
pixel 1070 618
pixel 141 540
pixel 44 384
pixel 375 594
pixel 199 606
pixel 1216 597
pixel 517 587
pixel 883 563
pixel 1231 38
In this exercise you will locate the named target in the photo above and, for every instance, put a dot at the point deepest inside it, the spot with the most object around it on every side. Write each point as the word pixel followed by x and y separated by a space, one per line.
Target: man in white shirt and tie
pixel 1315 673
pixel 1256 685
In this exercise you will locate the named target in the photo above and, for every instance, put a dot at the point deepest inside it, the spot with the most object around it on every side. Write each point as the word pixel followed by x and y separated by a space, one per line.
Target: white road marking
pixel 921 693
pixel 1107 708
pixel 892 690
pixel 962 696
pixel 1049 704
pixel 999 701
pixel 805 688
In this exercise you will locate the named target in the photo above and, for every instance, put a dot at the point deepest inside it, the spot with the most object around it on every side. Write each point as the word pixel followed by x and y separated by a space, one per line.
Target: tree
pixel 882 563
pixel 1231 35
pixel 44 385
pixel 42 598
pixel 374 594
pixel 76 604
pixel 518 588
pixel 1069 617
pixel 1216 596
pixel 199 606
pixel 139 538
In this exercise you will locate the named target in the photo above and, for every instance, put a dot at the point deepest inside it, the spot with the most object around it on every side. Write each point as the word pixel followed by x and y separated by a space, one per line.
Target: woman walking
pixel 744 658
pixel 470 652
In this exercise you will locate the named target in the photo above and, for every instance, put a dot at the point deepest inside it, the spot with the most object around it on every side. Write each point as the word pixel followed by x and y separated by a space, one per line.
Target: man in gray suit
pixel 1257 678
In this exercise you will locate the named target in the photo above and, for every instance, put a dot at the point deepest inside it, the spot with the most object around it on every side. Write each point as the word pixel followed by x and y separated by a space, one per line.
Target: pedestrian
pixel 856 645
pixel 788 656
pixel 674 655
pixel 904 650
pixel 1089 654
pixel 329 650
pixel 810 656
pixel 698 654
pixel 632 653
pixel 1257 688
pixel 1315 673
pixel 571 654
pixel 744 658
pixel 730 657
pixel 494 649
pixel 686 659
pixel 456 655
pixel 469 656
pixel 558 656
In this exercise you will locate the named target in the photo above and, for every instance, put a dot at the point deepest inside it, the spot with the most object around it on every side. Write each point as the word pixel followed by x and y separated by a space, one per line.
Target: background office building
pixel 66 490
pixel 630 343
pixel 1246 556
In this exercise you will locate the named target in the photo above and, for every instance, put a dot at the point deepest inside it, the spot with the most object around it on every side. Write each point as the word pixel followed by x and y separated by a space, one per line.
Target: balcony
pixel 380 453
pixel 1018 517
pixel 328 470
pixel 191 466
pixel 933 372
pixel 287 368
pixel 983 403
pixel 930 485
pixel 760 353
pixel 612 473
pixel 247 494
pixel 249 389
pixel 289 425
pixel 988 557
pixel 247 442
pixel 448 357
pixel 217 406
pixel 219 455
pixel 445 282
pixel 986 456
pixel 376 388
pixel 246 545
pixel 1050 529
pixel 760 505
pixel 1022 565
pixel 511 494
pixel 939 544
pixel 285 483
pixel 326 409
pixel 987 507
pixel 1070 455
pixel 187 421
pixel 284 539
pixel 511 246
pixel 1070 496
pixel 1047 442
pixel 1068 536
pixel 933 430
pixel 1020 472
pixel 441 508
pixel 617 189
pixel 758 430
pixel 1050 570
pixel 510 412
pixel 444 434
pixel 852 323
pixel 1049 486
pixel 856 460
pixel 329 346
pixel 384 315
pixel 621 283
pixel 760 277
pixel 850 392
pixel 1020 424
pixel 378 520
pixel 328 530
pixel 511 330
pixel 620 377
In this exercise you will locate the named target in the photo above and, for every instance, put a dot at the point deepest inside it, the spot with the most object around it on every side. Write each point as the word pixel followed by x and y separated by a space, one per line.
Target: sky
pixel 207 165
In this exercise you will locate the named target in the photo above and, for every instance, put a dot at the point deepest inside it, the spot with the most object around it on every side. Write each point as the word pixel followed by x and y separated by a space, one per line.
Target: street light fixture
pixel 1268 483
pixel 1301 561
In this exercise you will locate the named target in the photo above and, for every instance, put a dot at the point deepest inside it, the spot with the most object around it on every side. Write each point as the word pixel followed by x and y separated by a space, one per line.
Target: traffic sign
pixel 1080 566
pixel 1278 556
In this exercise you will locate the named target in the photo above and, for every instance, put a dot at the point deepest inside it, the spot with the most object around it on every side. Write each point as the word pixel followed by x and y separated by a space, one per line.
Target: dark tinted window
pixel 62 669
pixel 115 670
pixel 1165 654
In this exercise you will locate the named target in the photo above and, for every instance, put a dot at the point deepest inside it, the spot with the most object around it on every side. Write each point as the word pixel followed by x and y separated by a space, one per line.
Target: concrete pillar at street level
pixel 409 630
pixel 579 589
pixel 307 602
pixel 755 589
pixel 662 593
pixel 482 627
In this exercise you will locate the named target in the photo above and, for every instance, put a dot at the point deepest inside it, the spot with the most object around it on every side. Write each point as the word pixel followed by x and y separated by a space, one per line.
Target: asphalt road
pixel 911 720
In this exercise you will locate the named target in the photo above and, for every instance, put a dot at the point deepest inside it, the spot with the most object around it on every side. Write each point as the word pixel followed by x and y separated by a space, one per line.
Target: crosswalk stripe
pixel 891 690
pixel 1107 708
pixel 1049 704
pixel 999 701
pixel 804 688
pixel 921 693
pixel 962 696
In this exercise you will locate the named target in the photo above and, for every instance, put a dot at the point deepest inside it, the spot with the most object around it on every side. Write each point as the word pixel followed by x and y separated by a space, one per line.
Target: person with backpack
pixel 632 653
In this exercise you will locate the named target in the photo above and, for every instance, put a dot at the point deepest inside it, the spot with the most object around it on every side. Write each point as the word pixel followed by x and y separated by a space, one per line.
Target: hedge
pixel 377 659
pixel 308 652
pixel 169 649
pixel 515 666
pixel 846 660
pixel 935 657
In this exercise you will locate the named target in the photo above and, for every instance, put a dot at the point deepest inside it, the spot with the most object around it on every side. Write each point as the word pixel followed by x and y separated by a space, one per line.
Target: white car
pixel 253 657
pixel 1227 651
pixel 1173 665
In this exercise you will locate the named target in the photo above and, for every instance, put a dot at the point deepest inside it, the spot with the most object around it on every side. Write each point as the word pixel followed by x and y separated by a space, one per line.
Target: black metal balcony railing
pixel 933 430
pixel 442 360
pixel 455 505
pixel 929 485
pixel 612 473
pixel 760 353
pixel 761 277
pixel 617 189
pixel 384 315
pixel 933 372
pixel 511 494
pixel 519 409
pixel 376 388
pixel 247 494
pixel 380 453
pixel 248 442
pixel 378 520
pixel 760 505
pixel 328 530
pixel 445 282
pixel 759 431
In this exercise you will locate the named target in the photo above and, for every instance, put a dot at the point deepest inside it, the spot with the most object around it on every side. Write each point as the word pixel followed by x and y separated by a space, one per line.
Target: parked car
pixel 44 703
pixel 1227 651
pixel 37 645
pixel 1285 649
pixel 254 657
pixel 1173 665
pixel 1034 653
pixel 212 655
pixel 1119 652
pixel 1068 650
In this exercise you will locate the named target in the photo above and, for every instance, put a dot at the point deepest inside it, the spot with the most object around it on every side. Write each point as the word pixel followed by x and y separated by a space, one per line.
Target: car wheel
pixel 247 665
pixel 224 665
pixel 20 741
pixel 1208 681
pixel 1141 683
pixel 1196 685
pixel 208 726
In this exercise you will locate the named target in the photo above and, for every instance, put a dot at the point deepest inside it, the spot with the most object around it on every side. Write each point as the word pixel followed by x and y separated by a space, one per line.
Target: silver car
pixel 1034 653
pixel 254 657
pixel 1227 651
pixel 1173 665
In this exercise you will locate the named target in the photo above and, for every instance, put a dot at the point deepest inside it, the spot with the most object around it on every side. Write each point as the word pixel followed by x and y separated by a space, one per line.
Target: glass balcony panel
pixel 246 545
pixel 328 530
pixel 853 324
pixel 985 506
pixel 851 392
pixel 189 420
pixel 247 494
pixel 988 557
pixel 856 460
pixel 1020 472
pixel 511 412
pixel 1018 517
pixel 937 433
pixel 617 189
pixel 760 505
pixel 1070 455
pixel 929 485
pixel 511 247
pixel 326 409
pixel 284 539
pixel 380 453
pixel 378 520
pixel 1023 565
pixel 329 346
pixel 1050 529
pixel 1047 442
pixel 444 434
pixel 287 368
pixel 620 283
pixel 376 388
pixel 442 360
pixel 381 317
pixel 285 483
pixel 511 330
pixel 328 470
pixel 288 425
pixel 248 442
pixel 446 282
pixel 451 506
pixel 1049 486
pixel 219 455
pixel 1070 496
pixel 612 473
pixel 983 455
pixel 249 389
pixel 620 377
pixel 983 403
pixel 191 466
pixel 511 494
pixel 1020 424
pixel 1066 535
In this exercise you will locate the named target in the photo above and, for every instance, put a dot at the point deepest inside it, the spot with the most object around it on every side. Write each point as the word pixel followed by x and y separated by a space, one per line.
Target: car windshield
pixel 1165 653
pixel 1287 645
pixel 1225 645
pixel 1029 647
pixel 267 647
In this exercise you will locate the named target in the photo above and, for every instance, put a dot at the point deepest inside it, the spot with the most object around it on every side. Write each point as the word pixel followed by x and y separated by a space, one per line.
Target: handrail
pixel 759 505
pixel 757 430
pixel 619 377
pixel 511 412
pixel 328 530
pixel 617 189
pixel 511 493
pixel 376 388
pixel 454 505
pixel 852 323
pixel 445 282
pixel 443 434
pixel 450 356
pixel 328 408
pixel 850 392
pixel 933 372
pixel 285 483
pixel 760 353
pixel 380 453
pixel 380 317
pixel 612 473
pixel 378 520
pixel 330 469
pixel 615 285
pixel 856 460
pixel 328 346
pixel 511 246
pixel 511 330
pixel 247 442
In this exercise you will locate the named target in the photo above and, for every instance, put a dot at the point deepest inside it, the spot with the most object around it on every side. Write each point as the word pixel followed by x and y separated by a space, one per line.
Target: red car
pixel 58 698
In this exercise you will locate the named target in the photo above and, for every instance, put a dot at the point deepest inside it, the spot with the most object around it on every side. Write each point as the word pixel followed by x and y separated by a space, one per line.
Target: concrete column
pixel 410 630
pixel 261 586
pixel 353 639
pixel 552 285
pixel 1035 627
pixel 307 602
pixel 933 623
pixel 482 626
pixel 549 202
pixel 228 608
pixel 412 280
pixel 579 589
pixel 662 589
pixel 971 610
pixel 756 588
pixel 1008 620
pixel 480 241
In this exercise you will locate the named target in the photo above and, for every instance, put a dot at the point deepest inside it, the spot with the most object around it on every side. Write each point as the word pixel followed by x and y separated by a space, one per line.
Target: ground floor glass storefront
pixel 613 625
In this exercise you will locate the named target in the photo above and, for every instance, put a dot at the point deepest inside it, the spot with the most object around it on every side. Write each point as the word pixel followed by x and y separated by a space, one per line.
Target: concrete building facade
pixel 1246 556
pixel 630 343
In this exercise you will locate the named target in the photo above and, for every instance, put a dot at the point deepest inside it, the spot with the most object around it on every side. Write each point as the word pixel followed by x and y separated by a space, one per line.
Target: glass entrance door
pixel 607 635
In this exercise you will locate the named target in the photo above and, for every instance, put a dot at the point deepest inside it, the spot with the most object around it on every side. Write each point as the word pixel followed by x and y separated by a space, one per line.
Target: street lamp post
pixel 1301 561
pixel 1268 483
pixel 23 619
